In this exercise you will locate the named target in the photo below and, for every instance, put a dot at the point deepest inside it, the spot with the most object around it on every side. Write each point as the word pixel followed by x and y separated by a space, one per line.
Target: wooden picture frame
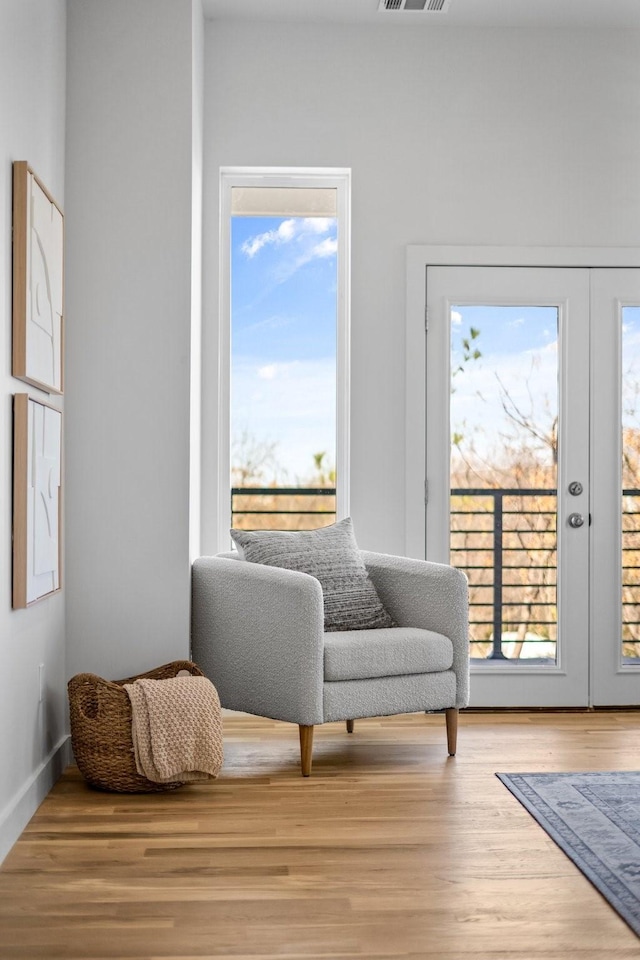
pixel 38 282
pixel 37 500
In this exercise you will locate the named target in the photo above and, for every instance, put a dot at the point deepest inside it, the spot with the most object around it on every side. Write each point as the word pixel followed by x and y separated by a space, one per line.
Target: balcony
pixel 282 508
pixel 505 540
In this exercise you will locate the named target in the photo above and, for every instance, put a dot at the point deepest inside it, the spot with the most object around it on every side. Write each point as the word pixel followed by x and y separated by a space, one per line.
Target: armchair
pixel 257 633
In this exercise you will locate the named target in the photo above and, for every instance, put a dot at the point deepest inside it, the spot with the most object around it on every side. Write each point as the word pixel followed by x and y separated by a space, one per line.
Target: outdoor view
pixel 504 431
pixel 631 482
pixel 283 371
pixel 504 455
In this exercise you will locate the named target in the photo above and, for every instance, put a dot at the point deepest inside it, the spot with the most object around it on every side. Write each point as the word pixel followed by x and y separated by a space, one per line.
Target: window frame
pixel 318 177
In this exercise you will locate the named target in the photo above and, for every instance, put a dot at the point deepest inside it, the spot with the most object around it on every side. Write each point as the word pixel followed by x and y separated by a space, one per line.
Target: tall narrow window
pixel 285 341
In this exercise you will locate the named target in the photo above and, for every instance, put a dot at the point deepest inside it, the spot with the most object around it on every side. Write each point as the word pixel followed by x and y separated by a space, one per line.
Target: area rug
pixel 595 819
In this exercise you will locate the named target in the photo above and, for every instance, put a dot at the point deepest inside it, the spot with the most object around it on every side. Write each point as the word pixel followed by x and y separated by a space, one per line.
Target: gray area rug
pixel 595 819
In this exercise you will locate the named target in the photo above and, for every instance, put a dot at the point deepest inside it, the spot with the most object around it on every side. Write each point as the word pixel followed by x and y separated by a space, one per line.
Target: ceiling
pixel 461 13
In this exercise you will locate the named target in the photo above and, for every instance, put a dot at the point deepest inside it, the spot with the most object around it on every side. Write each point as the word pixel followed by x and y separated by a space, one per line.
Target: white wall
pixel 496 136
pixel 32 118
pixel 129 290
pixel 196 280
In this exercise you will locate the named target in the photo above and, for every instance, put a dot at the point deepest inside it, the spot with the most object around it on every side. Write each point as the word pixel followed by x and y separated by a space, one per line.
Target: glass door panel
pixel 533 473
pixel 630 331
pixel 507 439
pixel 615 534
pixel 504 466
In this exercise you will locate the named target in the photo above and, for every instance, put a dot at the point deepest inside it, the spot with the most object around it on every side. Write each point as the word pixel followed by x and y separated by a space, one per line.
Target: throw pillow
pixel 331 555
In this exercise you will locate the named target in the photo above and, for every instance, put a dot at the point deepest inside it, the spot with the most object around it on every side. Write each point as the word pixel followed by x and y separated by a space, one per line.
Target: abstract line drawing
pixel 38 288
pixel 36 498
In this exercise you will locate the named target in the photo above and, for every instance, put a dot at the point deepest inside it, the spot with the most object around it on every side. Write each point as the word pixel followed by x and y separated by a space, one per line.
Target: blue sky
pixel 283 337
pixel 520 344
pixel 630 366
pixel 506 328
pixel 283 303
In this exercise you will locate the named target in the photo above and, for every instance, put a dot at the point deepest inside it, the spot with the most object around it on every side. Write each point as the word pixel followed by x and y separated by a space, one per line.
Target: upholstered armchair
pixel 258 634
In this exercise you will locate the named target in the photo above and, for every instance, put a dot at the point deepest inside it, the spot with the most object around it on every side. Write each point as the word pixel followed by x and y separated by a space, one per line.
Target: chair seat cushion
pixel 389 652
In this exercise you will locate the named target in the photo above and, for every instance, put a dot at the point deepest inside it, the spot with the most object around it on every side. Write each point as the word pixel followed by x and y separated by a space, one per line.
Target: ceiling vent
pixel 415 6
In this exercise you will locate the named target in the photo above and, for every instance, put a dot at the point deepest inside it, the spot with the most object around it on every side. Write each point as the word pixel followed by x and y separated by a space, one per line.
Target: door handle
pixel 575 520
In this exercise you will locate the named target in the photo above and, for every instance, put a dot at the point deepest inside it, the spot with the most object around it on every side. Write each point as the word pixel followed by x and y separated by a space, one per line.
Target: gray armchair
pixel 257 633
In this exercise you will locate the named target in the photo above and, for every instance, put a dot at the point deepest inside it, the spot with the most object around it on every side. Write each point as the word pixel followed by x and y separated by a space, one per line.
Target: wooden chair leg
pixel 350 724
pixel 452 729
pixel 306 748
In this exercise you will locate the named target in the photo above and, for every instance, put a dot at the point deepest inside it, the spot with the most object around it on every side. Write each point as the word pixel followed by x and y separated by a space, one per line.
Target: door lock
pixel 575 520
pixel 575 488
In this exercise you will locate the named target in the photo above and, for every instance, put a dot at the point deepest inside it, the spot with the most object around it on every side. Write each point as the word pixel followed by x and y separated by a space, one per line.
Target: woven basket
pixel 100 712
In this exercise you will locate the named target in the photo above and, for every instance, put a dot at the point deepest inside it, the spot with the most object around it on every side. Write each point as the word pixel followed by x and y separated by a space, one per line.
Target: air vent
pixel 415 6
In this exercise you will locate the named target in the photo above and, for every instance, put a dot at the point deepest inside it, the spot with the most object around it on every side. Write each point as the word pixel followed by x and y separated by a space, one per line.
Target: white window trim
pixel 419 257
pixel 340 180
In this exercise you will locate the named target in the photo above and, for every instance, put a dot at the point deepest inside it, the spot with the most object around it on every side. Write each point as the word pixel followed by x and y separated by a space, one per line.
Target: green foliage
pixel 469 352
pixel 324 476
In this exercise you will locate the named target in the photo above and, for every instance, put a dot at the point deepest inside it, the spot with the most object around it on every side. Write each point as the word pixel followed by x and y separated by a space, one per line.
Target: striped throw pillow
pixel 331 555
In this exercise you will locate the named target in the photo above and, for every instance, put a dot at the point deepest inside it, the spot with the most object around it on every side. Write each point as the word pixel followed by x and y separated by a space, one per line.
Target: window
pixel 284 349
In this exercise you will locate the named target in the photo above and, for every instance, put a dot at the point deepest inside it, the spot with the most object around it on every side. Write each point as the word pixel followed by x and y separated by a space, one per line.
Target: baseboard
pixel 18 812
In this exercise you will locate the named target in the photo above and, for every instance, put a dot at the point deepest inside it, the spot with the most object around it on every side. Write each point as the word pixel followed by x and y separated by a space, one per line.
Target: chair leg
pixel 306 748
pixel 452 729
pixel 350 724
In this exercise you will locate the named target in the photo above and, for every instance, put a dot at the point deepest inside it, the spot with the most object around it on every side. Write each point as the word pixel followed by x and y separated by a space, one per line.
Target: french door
pixel 533 476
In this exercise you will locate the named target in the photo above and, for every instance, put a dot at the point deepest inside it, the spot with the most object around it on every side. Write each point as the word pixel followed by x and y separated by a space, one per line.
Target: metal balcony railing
pixel 506 542
pixel 504 539
pixel 282 508
pixel 631 573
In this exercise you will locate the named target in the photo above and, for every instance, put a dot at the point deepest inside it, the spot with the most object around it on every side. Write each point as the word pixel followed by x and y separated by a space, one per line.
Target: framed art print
pixel 37 448
pixel 38 288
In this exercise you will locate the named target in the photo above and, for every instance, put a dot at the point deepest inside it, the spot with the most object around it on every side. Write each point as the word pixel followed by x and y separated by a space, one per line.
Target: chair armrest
pixel 433 596
pixel 257 633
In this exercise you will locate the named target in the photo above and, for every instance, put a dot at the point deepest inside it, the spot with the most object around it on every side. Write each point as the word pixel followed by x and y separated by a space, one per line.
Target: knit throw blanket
pixel 176 728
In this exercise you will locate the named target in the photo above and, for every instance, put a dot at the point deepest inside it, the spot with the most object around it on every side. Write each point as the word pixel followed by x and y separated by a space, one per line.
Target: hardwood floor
pixel 391 849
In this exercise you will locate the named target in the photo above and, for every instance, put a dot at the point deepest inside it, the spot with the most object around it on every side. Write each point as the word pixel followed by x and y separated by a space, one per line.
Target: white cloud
pixel 295 228
pixel 456 318
pixel 318 224
pixel 285 232
pixel 252 246
pixel 328 248
pixel 273 371
pixel 319 251
pixel 298 240
pixel 292 404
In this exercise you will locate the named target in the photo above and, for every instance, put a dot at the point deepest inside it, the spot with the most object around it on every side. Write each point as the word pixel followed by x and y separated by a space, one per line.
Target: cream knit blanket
pixel 176 728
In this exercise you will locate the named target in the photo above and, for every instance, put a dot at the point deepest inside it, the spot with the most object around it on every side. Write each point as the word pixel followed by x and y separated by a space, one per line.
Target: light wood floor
pixel 389 850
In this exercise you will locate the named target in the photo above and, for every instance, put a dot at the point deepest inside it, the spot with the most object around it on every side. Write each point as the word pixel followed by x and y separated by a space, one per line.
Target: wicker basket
pixel 100 712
